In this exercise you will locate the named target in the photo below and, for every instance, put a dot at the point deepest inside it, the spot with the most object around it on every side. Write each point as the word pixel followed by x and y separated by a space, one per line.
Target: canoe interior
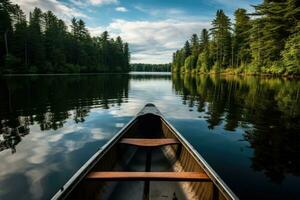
pixel 168 158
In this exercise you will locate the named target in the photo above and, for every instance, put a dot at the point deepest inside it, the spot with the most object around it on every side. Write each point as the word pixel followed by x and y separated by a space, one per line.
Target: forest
pixel 44 44
pixel 266 41
pixel 140 67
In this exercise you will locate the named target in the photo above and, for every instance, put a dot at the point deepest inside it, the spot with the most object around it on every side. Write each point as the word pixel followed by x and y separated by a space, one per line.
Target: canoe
pixel 146 159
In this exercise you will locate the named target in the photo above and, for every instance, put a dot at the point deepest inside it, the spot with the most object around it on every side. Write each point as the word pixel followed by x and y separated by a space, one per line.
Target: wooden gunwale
pixel 85 169
pixel 226 191
pixel 83 172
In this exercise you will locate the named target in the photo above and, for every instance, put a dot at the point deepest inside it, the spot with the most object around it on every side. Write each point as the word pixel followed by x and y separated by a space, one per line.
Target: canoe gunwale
pixel 147 110
pixel 215 178
pixel 65 190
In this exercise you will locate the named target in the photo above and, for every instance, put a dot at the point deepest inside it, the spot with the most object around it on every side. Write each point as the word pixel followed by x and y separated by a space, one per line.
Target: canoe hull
pixel 116 156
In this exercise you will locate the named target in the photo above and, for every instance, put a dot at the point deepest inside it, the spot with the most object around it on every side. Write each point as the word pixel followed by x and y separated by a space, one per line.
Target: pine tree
pixel 291 53
pixel 6 12
pixel 19 41
pixel 204 39
pixel 275 29
pixel 43 45
pixel 203 62
pixel 36 51
pixel 241 46
pixel 55 34
pixel 222 38
pixel 256 45
pixel 126 56
pixel 187 49
pixel 195 45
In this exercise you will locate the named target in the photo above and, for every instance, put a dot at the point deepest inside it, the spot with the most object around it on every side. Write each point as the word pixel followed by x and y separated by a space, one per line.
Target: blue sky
pixel 153 28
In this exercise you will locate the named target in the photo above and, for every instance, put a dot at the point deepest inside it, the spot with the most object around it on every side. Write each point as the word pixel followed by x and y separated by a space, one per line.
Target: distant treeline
pixel 151 67
pixel 44 45
pixel 266 41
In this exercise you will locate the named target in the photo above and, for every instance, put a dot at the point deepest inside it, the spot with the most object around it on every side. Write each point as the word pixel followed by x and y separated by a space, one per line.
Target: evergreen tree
pixel 190 63
pixel 291 53
pixel 267 43
pixel 19 42
pixel 43 45
pixel 177 63
pixel 195 45
pixel 36 51
pixel 55 33
pixel 187 49
pixel 6 12
pixel 203 62
pixel 275 29
pixel 204 39
pixel 241 46
pixel 222 38
pixel 256 44
pixel 126 56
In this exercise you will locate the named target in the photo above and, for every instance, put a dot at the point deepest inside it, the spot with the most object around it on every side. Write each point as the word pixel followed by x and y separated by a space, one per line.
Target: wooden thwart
pixel 149 142
pixel 151 176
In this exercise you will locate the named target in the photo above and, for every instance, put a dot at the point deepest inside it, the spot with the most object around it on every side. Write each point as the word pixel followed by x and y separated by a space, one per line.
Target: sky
pixel 154 29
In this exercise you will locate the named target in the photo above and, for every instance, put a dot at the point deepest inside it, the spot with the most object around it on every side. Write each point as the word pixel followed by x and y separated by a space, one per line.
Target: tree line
pixel 151 67
pixel 43 44
pixel 266 41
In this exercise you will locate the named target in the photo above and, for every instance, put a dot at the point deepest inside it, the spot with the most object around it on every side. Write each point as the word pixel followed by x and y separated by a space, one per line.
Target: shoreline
pixel 241 74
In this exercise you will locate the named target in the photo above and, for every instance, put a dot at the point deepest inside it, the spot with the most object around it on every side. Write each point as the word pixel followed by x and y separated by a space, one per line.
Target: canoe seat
pixel 150 176
pixel 141 142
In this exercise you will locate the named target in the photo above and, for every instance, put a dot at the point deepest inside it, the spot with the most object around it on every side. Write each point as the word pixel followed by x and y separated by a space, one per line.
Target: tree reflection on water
pixel 267 108
pixel 50 100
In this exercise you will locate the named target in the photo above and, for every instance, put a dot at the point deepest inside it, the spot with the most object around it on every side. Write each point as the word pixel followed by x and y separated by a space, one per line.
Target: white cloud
pixel 153 41
pixel 160 12
pixel 96 31
pixel 150 41
pixel 102 2
pixel 121 9
pixel 62 10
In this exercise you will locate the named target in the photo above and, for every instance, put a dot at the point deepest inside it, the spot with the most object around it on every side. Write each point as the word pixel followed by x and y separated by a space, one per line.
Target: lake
pixel 247 128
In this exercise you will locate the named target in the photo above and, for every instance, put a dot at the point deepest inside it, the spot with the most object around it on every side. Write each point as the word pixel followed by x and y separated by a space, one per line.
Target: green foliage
pixel 190 63
pixel 204 40
pixel 44 45
pixel 222 37
pixel 276 68
pixel 291 54
pixel 216 68
pixel 240 43
pixel 178 61
pixel 267 43
pixel 32 69
pixel 273 29
pixel 69 68
pixel 187 49
pixel 10 63
pixel 195 47
pixel 6 13
pixel 203 63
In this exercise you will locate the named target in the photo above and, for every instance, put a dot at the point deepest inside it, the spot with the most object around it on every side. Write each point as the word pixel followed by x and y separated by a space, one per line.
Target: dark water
pixel 247 128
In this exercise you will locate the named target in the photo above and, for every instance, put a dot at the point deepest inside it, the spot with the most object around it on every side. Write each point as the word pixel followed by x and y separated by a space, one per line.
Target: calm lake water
pixel 247 128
